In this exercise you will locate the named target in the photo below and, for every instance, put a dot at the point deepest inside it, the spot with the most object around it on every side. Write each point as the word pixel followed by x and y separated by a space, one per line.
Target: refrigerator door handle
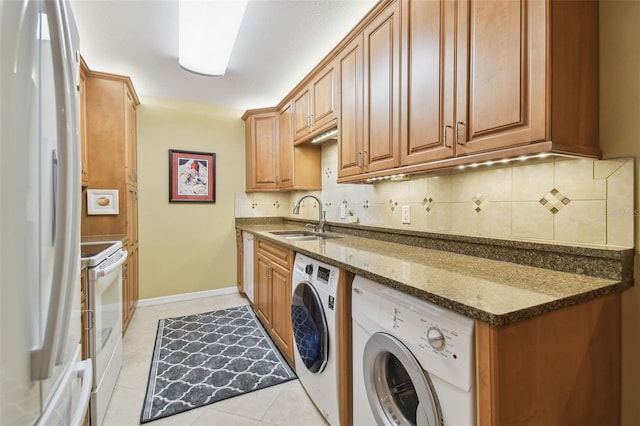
pixel 54 184
pixel 66 255
pixel 70 58
pixel 84 370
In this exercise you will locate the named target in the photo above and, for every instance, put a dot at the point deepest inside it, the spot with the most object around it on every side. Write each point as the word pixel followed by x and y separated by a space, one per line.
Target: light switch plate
pixel 406 214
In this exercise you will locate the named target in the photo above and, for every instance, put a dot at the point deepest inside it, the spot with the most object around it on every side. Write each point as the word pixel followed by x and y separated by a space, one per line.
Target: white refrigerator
pixel 42 379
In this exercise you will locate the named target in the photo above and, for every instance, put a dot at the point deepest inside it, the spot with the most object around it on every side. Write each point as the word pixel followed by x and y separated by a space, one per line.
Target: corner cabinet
pixel 111 137
pixel 261 140
pixel 272 293
pixel 369 75
pixel 273 163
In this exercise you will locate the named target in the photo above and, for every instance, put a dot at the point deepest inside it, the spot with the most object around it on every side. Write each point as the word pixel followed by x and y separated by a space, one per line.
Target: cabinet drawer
pixel 280 255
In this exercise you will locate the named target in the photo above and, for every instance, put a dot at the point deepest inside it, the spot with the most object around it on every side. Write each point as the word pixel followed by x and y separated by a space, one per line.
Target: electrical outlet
pixel 406 214
pixel 343 211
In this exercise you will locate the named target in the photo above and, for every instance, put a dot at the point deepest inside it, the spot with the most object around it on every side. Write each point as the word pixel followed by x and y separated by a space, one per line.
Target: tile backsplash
pixel 574 201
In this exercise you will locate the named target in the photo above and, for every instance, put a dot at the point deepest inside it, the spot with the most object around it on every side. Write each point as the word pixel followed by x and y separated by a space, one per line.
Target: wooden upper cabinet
pixel 530 77
pixel 131 138
pixel 302 122
pixel 285 147
pixel 501 71
pixel 261 140
pixel 349 65
pixel 315 105
pixel 273 162
pixel 369 106
pixel 323 99
pixel 480 80
pixel 382 90
pixel 427 81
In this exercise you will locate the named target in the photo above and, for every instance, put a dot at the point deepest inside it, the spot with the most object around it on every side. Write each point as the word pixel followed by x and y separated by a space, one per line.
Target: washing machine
pixel 313 318
pixel 413 362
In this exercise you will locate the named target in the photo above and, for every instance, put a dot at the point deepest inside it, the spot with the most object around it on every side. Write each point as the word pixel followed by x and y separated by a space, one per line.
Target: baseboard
pixel 187 296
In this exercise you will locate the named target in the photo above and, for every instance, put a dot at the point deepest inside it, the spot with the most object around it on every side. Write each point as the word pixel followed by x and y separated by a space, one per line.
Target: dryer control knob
pixel 436 338
pixel 308 269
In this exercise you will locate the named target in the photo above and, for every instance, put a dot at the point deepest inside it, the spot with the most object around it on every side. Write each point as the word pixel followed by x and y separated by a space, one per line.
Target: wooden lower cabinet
pixel 129 286
pixel 272 293
pixel 559 368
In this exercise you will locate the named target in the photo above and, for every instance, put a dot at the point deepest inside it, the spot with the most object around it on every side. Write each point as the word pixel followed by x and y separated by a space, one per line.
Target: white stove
pixel 104 320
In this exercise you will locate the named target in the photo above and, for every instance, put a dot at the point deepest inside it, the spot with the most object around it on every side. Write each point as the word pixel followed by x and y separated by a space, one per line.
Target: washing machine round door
pixel 400 392
pixel 310 332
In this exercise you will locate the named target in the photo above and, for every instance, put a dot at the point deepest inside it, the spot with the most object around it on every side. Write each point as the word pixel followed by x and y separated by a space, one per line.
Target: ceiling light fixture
pixel 207 33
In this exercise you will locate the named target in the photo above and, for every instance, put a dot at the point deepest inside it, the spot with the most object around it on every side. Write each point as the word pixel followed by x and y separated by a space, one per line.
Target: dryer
pixel 313 320
pixel 413 362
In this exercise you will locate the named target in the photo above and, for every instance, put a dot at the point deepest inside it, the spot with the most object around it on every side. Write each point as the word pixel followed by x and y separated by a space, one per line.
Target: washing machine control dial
pixel 308 269
pixel 436 338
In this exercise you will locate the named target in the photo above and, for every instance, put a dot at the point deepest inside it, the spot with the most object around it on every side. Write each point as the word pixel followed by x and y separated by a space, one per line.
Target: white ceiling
pixel 279 42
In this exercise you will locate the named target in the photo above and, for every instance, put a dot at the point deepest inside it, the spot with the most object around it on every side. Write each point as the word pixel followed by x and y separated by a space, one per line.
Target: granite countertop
pixel 492 291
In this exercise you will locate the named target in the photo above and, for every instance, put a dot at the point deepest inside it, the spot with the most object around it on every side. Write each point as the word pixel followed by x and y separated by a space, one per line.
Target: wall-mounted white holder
pixel 102 201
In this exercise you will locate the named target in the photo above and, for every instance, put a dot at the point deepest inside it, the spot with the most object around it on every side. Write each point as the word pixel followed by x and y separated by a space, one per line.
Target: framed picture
pixel 192 177
pixel 102 201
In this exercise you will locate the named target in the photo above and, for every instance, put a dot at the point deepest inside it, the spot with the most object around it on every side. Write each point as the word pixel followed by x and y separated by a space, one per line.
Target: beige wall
pixel 620 136
pixel 187 247
pixel 594 204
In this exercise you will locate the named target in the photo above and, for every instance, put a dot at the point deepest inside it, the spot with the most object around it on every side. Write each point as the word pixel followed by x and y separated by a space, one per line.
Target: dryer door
pixel 310 332
pixel 400 392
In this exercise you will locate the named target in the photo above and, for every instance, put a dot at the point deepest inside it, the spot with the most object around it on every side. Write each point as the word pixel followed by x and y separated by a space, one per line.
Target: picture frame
pixel 102 201
pixel 192 176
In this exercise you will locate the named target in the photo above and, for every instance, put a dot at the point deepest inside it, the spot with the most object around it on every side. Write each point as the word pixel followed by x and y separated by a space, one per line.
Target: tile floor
pixel 285 404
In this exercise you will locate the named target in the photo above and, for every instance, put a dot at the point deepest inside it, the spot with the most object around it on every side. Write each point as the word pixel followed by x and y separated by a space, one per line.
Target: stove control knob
pixel 308 269
pixel 436 338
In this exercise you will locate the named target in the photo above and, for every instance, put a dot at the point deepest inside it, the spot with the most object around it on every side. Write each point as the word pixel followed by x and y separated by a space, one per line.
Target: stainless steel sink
pixel 303 235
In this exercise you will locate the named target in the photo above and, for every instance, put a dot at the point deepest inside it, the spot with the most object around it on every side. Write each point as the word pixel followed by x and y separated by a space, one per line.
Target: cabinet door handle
pixel 458 133
pixel 444 135
pixel 365 159
pixel 358 162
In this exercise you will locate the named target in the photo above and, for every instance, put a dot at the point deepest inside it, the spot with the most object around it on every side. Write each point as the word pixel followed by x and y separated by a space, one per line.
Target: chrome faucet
pixel 321 214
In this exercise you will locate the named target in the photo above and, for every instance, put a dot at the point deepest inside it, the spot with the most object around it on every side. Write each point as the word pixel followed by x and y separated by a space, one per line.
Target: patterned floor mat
pixel 204 358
